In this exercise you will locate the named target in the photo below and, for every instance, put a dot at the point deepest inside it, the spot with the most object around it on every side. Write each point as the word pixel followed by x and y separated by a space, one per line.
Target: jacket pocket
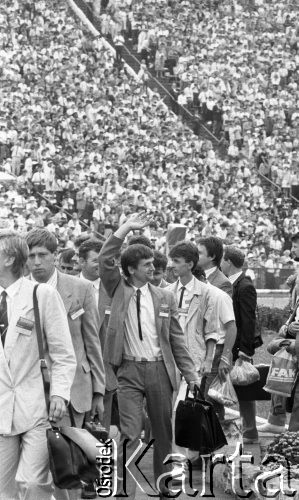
pixel 85 366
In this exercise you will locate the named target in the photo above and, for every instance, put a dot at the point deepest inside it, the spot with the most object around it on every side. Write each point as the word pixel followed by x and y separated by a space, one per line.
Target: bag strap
pixel 43 362
pixel 39 336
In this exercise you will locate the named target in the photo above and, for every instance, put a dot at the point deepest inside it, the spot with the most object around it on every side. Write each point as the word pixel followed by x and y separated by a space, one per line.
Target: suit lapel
pixel 64 291
pixel 212 277
pixel 104 301
pixel 19 307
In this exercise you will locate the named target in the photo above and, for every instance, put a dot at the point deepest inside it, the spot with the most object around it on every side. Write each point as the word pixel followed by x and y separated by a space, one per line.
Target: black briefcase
pixel 197 425
pixel 255 391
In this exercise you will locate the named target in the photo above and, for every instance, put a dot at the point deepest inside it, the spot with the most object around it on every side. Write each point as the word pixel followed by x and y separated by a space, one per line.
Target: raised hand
pixel 139 220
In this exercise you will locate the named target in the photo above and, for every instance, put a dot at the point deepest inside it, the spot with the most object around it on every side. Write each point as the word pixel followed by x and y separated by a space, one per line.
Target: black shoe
pixel 88 491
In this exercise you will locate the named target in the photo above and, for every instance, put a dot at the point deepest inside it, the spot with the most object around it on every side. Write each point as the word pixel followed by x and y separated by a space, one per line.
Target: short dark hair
pixel 80 239
pixel 199 273
pixel 89 245
pixel 160 260
pixel 67 255
pixel 132 255
pixel 42 238
pixel 140 239
pixel 214 248
pixel 187 251
pixel 295 237
pixel 235 255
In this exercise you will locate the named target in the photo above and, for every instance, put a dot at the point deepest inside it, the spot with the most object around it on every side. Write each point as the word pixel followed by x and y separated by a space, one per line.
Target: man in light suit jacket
pixel 24 418
pixel 145 342
pixel 89 263
pixel 210 255
pixel 83 318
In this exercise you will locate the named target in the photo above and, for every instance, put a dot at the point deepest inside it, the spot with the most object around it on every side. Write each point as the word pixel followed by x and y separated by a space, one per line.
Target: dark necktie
pixel 138 293
pixel 182 296
pixel 3 317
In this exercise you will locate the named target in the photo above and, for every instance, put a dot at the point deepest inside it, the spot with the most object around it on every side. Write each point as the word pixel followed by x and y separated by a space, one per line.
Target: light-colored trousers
pixel 24 466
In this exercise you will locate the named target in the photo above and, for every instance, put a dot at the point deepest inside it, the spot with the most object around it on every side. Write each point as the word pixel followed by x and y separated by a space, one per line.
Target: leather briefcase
pixel 197 425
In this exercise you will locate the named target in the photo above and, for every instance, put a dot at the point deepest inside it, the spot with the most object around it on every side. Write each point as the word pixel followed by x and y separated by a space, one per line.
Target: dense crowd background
pixel 83 143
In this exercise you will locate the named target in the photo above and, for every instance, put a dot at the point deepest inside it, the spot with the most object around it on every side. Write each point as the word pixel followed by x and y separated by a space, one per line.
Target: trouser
pixel 247 414
pixel 136 381
pixel 277 413
pixel 294 420
pixel 24 466
pixel 208 379
pixel 108 399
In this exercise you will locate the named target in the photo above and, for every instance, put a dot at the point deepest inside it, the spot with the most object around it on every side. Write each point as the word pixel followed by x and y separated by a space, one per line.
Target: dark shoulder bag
pixel 69 464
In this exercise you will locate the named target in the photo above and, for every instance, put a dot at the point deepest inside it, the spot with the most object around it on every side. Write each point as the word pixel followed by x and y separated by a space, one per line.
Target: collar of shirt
pixel 143 289
pixel 189 286
pixel 95 283
pixel 12 289
pixel 234 277
pixel 51 281
pixel 210 271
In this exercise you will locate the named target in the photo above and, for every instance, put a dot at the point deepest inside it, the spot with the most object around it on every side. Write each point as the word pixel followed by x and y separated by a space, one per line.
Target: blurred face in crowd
pixel 158 275
pixel 90 266
pixel 295 249
pixel 41 263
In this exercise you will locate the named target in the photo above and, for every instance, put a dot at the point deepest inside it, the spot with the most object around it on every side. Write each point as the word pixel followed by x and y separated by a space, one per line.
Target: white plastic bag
pixel 244 373
pixel 223 392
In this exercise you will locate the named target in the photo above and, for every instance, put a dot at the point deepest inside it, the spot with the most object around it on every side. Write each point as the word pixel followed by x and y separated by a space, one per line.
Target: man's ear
pixel 131 270
pixel 8 260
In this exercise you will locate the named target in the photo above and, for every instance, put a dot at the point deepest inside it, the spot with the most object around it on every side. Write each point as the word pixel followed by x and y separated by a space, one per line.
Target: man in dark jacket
pixel 244 302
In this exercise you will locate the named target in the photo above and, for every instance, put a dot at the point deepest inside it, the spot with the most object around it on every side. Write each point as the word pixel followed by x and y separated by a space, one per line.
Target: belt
pixel 138 359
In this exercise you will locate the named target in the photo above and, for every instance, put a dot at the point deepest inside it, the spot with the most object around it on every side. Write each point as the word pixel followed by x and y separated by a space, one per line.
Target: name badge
pixel 183 311
pixel 78 313
pixel 108 310
pixel 164 311
pixel 24 326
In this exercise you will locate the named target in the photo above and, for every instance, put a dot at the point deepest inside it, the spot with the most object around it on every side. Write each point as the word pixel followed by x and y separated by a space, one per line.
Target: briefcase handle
pixel 197 392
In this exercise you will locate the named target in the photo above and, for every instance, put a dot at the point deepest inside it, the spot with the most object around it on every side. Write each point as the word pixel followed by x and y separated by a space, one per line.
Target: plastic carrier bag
pixel 223 392
pixel 244 373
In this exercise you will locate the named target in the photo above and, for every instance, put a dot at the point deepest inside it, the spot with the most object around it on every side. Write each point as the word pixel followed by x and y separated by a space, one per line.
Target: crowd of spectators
pixel 82 137
pixel 233 61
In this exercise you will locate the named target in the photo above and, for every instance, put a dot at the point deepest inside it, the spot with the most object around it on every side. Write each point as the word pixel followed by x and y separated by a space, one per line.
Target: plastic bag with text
pixel 282 373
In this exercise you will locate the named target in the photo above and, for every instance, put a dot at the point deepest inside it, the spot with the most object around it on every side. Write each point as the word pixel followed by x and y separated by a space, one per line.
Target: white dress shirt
pixel 149 347
pixel 208 272
pixel 234 277
pixel 51 281
pixel 11 291
pixel 187 297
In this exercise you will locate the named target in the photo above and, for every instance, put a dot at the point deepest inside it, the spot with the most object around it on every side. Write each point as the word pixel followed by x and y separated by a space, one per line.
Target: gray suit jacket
pixel 83 319
pixel 218 279
pixel 171 337
pixel 104 309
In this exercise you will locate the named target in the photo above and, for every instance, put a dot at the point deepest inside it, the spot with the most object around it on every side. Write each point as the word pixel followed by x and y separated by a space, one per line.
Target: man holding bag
pixel 24 418
pixel 244 302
